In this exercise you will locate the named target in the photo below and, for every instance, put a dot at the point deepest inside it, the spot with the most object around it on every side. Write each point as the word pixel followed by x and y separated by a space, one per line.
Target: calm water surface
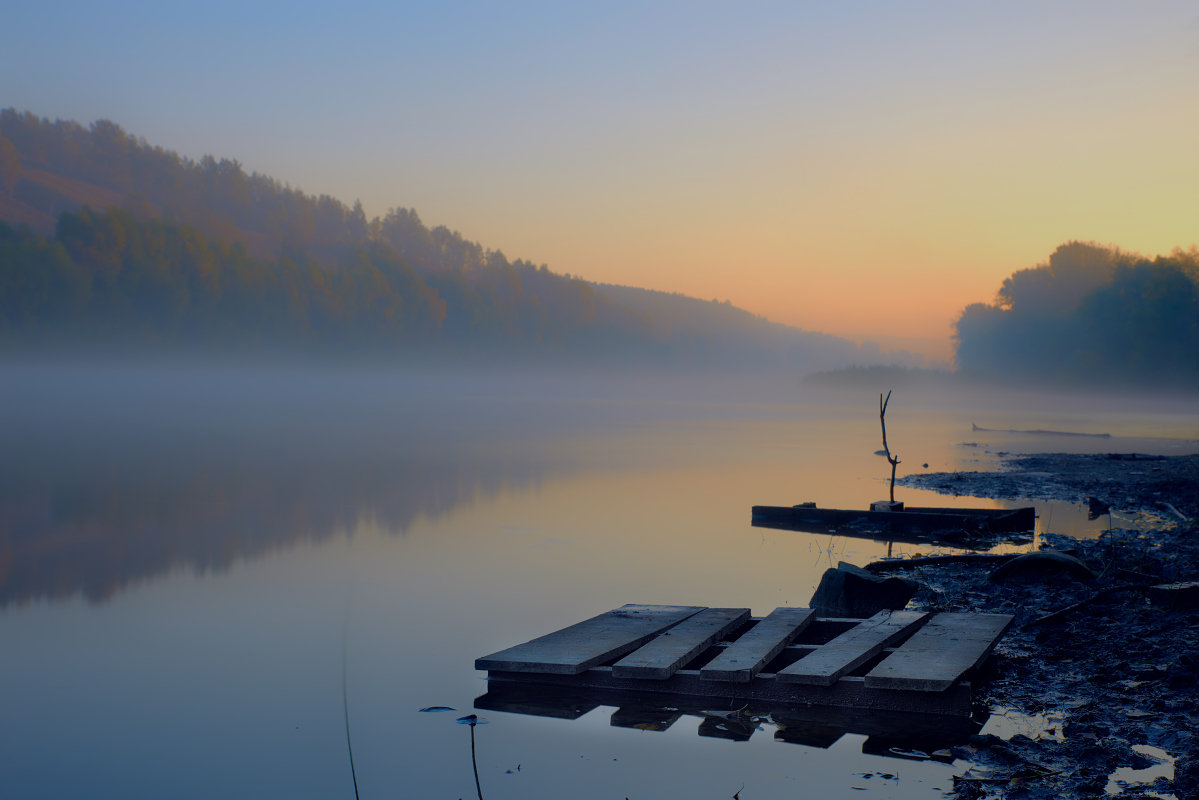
pixel 190 558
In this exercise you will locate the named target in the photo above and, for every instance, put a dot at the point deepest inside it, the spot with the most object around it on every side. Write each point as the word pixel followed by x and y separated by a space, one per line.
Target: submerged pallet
pixel 896 660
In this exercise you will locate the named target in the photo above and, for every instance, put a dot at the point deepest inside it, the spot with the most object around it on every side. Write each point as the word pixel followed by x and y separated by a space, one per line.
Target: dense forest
pixel 110 242
pixel 1092 315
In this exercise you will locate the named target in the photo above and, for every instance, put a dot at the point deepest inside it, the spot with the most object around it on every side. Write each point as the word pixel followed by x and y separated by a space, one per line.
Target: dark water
pixel 189 558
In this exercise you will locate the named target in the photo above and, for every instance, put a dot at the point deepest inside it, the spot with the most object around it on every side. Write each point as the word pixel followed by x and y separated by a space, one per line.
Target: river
pixel 205 571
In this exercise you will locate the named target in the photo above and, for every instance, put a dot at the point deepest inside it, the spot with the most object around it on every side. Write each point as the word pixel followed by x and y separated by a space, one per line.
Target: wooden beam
pixel 852 649
pixel 747 656
pixel 689 687
pixel 660 658
pixel 575 649
pixel 940 652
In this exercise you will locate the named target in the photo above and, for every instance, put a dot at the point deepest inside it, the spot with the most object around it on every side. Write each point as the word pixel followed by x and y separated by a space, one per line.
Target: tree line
pixel 111 278
pixel 1090 314
pixel 202 252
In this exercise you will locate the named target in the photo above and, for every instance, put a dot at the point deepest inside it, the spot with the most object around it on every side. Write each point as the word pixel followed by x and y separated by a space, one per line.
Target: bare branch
pixel 882 418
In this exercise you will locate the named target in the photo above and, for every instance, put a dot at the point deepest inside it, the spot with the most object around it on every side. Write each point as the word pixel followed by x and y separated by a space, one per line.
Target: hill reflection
pixel 112 476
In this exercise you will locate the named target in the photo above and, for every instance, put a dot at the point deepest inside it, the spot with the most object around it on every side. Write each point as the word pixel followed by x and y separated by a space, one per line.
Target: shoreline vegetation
pixel 1097 681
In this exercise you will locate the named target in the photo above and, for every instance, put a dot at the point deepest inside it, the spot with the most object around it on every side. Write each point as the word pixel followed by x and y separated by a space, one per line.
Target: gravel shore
pixel 1101 698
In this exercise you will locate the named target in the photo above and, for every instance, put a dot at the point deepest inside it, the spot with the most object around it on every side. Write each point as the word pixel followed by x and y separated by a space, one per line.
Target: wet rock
pixel 1186 776
pixel 1045 565
pixel 850 591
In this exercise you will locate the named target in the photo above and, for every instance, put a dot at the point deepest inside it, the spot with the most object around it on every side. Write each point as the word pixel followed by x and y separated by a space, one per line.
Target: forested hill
pixel 1090 315
pixel 113 242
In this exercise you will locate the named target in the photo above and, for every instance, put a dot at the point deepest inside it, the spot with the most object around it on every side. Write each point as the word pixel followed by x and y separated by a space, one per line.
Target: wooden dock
pixel 904 661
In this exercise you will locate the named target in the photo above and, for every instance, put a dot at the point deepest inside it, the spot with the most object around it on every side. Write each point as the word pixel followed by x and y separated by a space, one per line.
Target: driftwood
pixel 912 563
pixel 1039 432
pixel 1099 595
pixel 1177 513
pixel 1034 772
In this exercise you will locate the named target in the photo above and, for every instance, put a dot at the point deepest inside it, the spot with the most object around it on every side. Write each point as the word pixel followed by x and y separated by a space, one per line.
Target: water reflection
pixel 116 476
pixel 433 518
pixel 893 734
pixel 58 538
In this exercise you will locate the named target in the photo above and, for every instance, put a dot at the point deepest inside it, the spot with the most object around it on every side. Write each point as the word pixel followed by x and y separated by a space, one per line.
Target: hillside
pixel 157 249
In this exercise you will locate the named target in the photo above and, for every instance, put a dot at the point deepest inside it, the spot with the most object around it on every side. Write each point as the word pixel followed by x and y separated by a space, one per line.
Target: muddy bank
pixel 1107 691
pixel 1125 481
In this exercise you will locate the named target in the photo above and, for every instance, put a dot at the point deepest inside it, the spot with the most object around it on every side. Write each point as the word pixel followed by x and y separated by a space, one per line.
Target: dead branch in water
pixel 882 418
pixel 985 559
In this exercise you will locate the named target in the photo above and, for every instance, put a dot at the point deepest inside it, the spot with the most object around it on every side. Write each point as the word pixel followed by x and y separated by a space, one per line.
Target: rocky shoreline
pixel 1094 689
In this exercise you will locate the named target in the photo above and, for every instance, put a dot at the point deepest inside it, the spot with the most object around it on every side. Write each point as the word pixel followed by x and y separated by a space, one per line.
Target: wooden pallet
pixel 896 660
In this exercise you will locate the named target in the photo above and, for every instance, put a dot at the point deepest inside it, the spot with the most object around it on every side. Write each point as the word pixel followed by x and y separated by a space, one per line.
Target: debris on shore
pixel 1095 689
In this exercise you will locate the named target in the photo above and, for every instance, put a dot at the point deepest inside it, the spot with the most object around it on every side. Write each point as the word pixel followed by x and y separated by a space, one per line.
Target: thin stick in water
pixel 345 706
pixel 473 762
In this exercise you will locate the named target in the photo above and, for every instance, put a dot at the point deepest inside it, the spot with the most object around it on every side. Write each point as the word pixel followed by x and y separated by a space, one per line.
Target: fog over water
pixel 184 549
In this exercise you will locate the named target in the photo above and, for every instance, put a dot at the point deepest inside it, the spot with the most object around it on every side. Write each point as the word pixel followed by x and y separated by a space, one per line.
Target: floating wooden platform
pixel 912 524
pixel 896 660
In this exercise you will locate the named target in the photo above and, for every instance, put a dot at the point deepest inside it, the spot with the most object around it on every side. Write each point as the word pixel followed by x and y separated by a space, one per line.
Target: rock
pixel 1186 776
pixel 1041 566
pixel 850 591
pixel 1175 596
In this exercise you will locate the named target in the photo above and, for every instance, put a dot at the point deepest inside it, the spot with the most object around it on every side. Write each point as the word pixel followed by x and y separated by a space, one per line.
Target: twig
pixel 1127 587
pixel 913 563
pixel 474 763
pixel 1031 770
pixel 1177 513
pixel 1007 779
pixel 345 705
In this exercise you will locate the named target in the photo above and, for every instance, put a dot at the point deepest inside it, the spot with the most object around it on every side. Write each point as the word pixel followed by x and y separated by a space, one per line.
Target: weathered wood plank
pixel 940 652
pixel 689 687
pixel 574 649
pixel 852 649
pixel 661 657
pixel 746 657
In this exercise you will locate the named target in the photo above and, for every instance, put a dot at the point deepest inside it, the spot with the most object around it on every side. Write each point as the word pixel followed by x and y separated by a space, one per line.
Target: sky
pixel 866 169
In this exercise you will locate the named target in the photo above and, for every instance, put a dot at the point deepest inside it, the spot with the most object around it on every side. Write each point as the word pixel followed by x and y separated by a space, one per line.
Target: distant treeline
pixel 200 253
pixel 109 278
pixel 1092 314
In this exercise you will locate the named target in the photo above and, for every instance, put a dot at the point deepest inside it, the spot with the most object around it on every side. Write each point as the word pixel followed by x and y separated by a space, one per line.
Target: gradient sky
pixel 866 169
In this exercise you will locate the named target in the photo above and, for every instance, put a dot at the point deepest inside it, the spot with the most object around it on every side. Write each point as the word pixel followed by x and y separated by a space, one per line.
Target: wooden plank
pixel 940 652
pixel 661 657
pixel 688 687
pixel 852 649
pixel 574 649
pixel 746 657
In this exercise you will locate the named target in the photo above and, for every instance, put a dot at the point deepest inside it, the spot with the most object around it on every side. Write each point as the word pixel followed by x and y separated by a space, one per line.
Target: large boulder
pixel 850 591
